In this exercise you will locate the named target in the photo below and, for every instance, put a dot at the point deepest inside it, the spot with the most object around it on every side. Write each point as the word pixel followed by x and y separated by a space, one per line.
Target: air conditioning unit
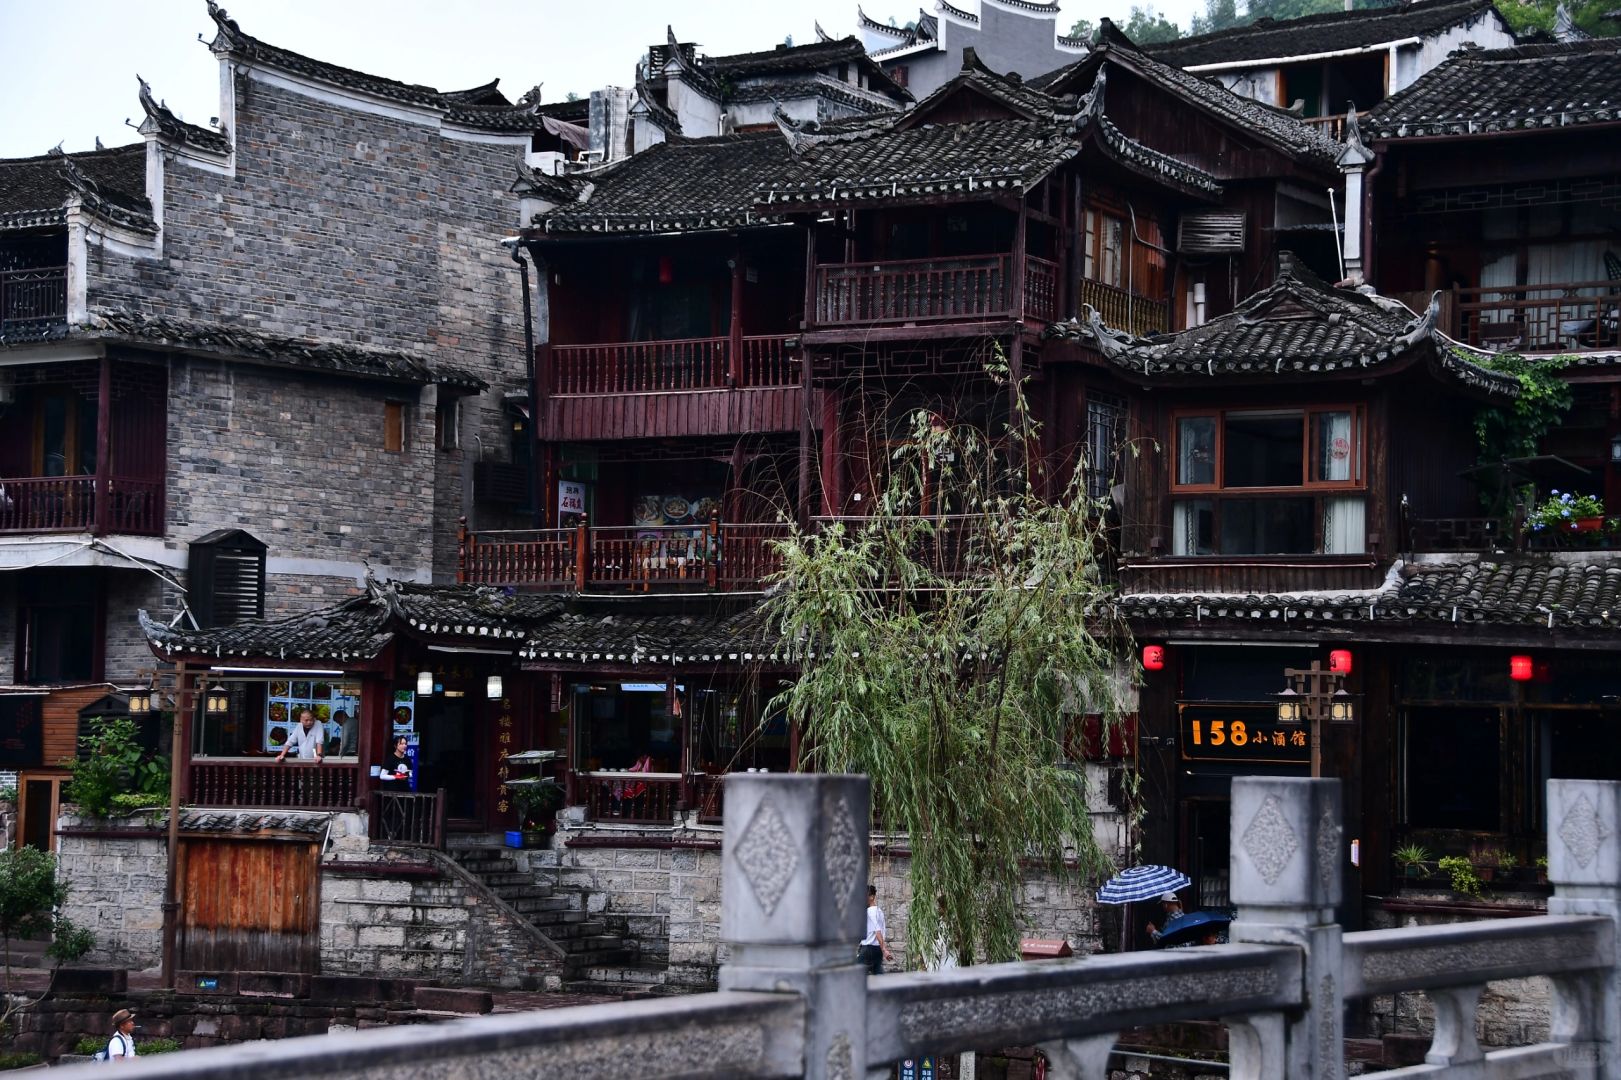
pixel 1210 232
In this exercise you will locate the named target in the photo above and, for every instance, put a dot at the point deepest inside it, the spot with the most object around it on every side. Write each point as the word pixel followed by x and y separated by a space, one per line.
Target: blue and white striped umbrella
pixel 1142 883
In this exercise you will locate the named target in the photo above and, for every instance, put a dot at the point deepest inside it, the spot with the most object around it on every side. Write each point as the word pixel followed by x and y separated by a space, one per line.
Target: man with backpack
pixel 121 1047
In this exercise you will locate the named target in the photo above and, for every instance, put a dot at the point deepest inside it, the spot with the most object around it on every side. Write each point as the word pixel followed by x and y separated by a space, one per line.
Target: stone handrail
pixel 794 1003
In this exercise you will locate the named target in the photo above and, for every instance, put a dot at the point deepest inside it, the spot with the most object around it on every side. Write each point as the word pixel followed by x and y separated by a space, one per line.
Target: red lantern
pixel 1339 661
pixel 1153 657
pixel 1519 668
pixel 666 270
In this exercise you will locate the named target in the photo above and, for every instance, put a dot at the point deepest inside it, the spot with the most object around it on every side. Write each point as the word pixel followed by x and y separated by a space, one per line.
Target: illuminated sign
pixel 1241 733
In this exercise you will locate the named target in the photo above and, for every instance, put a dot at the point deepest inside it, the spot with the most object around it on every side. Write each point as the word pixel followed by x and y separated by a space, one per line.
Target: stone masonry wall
pixel 352 227
pixel 377 919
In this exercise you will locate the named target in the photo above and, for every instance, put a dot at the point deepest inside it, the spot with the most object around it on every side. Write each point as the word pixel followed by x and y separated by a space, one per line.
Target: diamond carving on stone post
pixel 768 855
pixel 1583 832
pixel 841 859
pixel 1269 841
pixel 1328 849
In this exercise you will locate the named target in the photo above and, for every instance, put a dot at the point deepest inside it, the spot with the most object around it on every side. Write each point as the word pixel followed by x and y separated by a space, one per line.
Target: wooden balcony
pixel 31 301
pixel 1556 317
pixel 45 504
pixel 1122 310
pixel 631 798
pixel 933 291
pixel 625 558
pixel 290 784
pixel 652 367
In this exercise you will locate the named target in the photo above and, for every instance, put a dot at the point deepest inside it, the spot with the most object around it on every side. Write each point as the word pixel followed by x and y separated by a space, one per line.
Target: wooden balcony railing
pixel 31 300
pixel 68 504
pixel 1040 289
pixel 631 798
pixel 713 556
pixel 291 784
pixel 1332 125
pixel 644 367
pixel 710 792
pixel 1537 318
pixel 915 290
pixel 1122 310
pixel 409 818
pixel 1444 535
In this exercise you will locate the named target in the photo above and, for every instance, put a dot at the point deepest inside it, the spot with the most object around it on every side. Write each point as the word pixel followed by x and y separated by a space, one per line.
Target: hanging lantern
pixel 666 270
pixel 1153 657
pixel 217 702
pixel 1339 661
pixel 1519 668
pixel 1341 709
pixel 492 688
pixel 424 684
pixel 1289 707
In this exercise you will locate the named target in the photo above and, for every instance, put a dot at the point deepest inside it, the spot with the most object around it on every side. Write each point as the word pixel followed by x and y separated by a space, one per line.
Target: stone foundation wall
pixel 384 912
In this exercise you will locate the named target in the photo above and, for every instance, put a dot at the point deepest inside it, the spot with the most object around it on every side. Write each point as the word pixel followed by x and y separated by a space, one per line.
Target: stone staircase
pixel 598 961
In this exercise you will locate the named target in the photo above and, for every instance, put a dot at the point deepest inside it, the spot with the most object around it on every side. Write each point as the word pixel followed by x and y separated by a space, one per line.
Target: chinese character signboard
pixel 1241 733
pixel 570 497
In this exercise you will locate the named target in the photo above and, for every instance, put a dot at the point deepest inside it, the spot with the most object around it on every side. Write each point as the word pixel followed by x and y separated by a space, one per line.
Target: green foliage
pixel 1411 855
pixel 1561 510
pixel 1218 15
pixel 8 793
pixel 94 1044
pixel 1083 28
pixel 1526 16
pixel 534 802
pixel 1462 873
pixel 69 941
pixel 29 892
pixel 131 801
pixel 114 764
pixel 1516 430
pixel 951 657
pixel 1148 27
pixel 22 1059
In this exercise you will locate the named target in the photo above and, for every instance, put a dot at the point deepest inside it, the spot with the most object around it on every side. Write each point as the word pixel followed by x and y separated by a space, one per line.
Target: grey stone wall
pixel 127 592
pixel 436 928
pixel 345 226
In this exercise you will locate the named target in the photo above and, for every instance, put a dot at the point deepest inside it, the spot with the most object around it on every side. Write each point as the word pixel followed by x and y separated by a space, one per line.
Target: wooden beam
pixel 806 434
pixel 734 346
pixel 104 420
pixel 966 331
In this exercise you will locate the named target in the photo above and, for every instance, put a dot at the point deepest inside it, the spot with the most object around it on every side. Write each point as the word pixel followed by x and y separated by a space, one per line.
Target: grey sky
pixel 70 68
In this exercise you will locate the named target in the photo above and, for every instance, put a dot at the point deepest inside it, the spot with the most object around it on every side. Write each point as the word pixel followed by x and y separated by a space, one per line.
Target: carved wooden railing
pixel 1538 318
pixel 630 798
pixel 682 557
pixel 409 818
pixel 31 300
pixel 710 793
pixel 643 367
pixel 1040 289
pixel 1431 535
pixel 1122 310
pixel 290 784
pixel 913 290
pixel 68 504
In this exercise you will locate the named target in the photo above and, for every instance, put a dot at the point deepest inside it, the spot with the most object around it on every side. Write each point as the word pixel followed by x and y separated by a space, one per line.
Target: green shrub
pixel 8 793
pixel 93 1044
pixel 1462 873
pixel 20 1060
pixel 113 765
pixel 131 801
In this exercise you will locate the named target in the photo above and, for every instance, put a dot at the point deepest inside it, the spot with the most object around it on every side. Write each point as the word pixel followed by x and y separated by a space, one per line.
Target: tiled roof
pixel 1299 325
pixel 352 630
pixel 1545 592
pixel 673 637
pixel 463 610
pixel 457 106
pixel 1481 92
pixel 272 350
pixel 33 190
pixel 574 111
pixel 813 57
pixel 1282 130
pixel 1332 31
pixel 170 127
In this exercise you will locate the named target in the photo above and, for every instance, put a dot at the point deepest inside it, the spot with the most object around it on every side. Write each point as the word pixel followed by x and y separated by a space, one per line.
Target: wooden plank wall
pixel 60 715
pixel 249 905
pixel 653 416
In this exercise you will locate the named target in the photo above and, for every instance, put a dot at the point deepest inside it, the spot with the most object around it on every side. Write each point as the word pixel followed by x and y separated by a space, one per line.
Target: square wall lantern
pixel 1520 668
pixel 424 684
pixel 493 689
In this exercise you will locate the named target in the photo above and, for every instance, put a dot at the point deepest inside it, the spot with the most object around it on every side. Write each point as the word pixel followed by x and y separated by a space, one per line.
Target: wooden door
pixel 249 905
pixel 40 799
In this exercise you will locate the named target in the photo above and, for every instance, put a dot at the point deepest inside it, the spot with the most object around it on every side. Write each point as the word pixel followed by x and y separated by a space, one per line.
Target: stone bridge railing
pixel 792 1002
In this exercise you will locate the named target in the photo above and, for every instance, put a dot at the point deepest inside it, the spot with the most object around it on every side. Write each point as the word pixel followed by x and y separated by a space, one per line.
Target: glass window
pixel 1263 449
pixel 1268 526
pixel 1332 448
pixel 1196 450
pixel 1105 428
pixel 1193 527
pixel 1451 764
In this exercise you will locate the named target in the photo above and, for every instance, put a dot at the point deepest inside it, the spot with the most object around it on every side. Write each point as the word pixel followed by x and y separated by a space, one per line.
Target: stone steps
pixel 558 911
pixel 628 981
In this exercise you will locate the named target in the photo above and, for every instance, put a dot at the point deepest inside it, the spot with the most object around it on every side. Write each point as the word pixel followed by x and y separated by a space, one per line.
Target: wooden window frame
pixel 1359 451
pixel 396 427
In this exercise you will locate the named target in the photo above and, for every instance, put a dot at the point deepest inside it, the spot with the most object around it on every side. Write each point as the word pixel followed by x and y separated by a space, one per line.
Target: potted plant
pixel 1542 869
pixel 1564 513
pixel 536 804
pixel 1461 873
pixel 1411 858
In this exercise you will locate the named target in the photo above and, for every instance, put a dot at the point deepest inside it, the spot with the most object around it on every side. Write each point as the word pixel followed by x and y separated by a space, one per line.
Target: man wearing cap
pixel 121 1047
pixel 1173 912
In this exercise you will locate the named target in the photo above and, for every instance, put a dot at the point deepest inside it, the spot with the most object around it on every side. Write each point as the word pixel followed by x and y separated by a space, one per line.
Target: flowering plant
pixel 1562 510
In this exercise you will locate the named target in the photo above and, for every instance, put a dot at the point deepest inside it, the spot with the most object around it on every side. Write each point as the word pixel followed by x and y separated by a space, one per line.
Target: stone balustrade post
pixel 1584 865
pixel 1287 847
pixel 793 905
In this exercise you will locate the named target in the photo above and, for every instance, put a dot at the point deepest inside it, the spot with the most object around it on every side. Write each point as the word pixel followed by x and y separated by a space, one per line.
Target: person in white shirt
pixel 874 947
pixel 121 1047
pixel 308 740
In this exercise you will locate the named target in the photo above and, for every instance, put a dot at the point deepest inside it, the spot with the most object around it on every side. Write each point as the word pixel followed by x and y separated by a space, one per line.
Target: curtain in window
pixel 1344 525
pixel 1334 445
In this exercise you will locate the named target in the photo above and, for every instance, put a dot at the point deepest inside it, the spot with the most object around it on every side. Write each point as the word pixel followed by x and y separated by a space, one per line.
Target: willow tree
pixel 950 643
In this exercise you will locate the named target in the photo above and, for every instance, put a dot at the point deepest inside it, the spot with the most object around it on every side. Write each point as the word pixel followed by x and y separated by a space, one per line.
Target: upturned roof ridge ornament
pixel 1356 152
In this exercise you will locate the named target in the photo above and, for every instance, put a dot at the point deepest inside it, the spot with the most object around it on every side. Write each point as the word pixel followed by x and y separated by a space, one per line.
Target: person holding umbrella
pixel 1172 907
